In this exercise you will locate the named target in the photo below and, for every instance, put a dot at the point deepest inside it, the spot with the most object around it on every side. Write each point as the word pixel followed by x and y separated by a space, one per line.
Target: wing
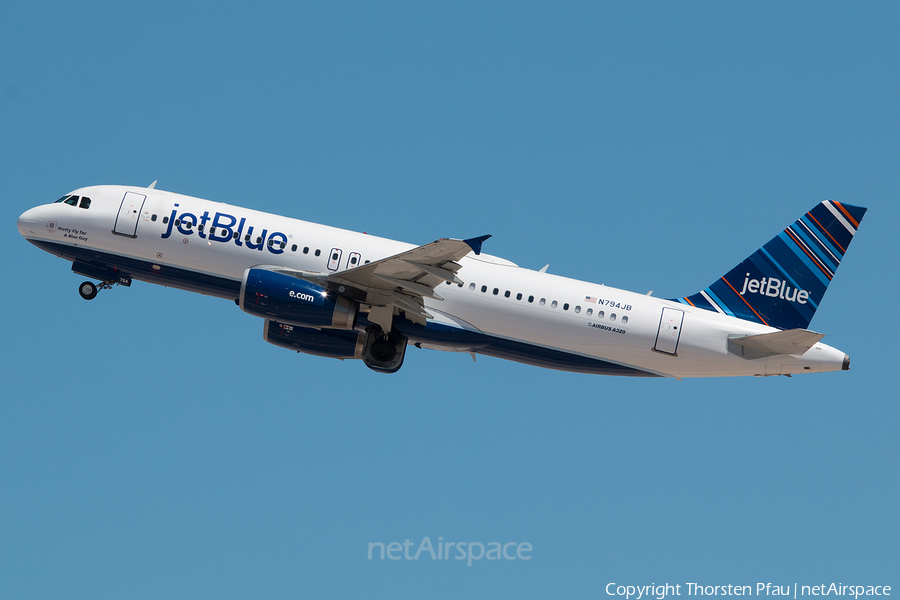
pixel 401 281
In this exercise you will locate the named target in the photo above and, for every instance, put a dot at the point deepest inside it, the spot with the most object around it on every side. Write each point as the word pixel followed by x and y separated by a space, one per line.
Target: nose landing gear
pixel 88 290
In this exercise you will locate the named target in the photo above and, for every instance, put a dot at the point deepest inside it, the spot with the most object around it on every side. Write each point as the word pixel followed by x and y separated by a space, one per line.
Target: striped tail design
pixel 782 283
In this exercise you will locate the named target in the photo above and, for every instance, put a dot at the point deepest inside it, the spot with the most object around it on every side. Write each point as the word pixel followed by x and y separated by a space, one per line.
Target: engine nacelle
pixel 294 301
pixel 321 342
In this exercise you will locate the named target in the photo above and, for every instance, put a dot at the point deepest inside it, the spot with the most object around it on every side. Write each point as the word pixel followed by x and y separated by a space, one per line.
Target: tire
pixel 87 290
pixel 384 350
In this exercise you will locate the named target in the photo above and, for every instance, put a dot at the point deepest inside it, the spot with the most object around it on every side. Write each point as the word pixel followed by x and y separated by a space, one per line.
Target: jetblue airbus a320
pixel 346 295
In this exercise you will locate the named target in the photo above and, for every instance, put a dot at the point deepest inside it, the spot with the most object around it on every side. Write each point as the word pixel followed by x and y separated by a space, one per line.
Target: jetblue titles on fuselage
pixel 223 230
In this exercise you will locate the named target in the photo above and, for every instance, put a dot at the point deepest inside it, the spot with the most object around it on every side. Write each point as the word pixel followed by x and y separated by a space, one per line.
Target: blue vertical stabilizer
pixel 782 283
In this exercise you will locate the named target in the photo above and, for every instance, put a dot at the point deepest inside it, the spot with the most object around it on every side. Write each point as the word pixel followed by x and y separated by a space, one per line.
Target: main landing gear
pixel 384 352
pixel 89 291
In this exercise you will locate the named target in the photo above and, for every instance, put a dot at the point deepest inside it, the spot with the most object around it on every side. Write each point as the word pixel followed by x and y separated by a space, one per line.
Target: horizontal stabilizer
pixel 790 341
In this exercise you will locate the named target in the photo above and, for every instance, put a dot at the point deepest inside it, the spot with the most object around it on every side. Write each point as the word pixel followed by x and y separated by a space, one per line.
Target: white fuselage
pixel 539 309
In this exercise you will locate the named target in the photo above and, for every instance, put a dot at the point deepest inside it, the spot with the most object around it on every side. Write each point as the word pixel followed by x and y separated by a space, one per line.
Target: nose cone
pixel 27 223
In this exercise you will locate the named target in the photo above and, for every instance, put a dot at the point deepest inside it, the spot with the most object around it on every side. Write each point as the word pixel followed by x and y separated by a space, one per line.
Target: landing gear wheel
pixel 87 290
pixel 384 350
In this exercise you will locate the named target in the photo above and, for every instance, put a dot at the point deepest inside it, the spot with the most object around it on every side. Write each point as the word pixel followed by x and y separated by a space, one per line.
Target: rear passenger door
pixel 669 331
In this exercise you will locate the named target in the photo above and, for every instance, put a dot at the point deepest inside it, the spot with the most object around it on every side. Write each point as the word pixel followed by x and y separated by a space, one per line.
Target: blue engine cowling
pixel 294 301
pixel 321 342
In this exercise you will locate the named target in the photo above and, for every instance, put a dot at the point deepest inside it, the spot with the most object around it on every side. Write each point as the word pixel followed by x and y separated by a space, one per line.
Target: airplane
pixel 346 295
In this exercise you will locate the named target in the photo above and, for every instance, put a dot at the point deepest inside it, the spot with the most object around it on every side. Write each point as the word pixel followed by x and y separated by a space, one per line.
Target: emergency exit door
pixel 334 259
pixel 129 211
pixel 669 330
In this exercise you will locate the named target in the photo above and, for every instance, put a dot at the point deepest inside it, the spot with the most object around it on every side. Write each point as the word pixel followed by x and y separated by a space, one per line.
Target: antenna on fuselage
pixel 152 185
pixel 544 270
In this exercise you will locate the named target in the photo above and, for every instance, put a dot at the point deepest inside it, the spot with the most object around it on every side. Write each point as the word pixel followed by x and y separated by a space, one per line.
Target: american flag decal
pixel 590 299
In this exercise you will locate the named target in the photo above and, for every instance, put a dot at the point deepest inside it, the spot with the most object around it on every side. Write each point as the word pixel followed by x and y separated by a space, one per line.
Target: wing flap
pixel 426 291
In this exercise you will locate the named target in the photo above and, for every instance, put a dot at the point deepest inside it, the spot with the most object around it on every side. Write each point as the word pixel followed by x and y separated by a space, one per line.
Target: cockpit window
pixel 72 200
pixel 86 203
pixel 64 198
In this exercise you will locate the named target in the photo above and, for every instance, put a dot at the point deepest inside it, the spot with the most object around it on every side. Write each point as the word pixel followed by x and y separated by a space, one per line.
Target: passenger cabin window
pixel 306 250
pixel 471 286
pixel 153 218
pixel 543 301
pixel 318 252
pixel 496 291
pixel 166 221
pixel 624 320
pixel 590 311
pixel 553 304
pixel 483 289
pixel 86 203
pixel 518 296
pixel 236 233
pixel 531 298
pixel 294 248
pixel 506 295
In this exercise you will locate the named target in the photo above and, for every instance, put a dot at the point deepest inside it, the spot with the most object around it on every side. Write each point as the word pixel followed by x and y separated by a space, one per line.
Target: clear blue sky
pixel 152 445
